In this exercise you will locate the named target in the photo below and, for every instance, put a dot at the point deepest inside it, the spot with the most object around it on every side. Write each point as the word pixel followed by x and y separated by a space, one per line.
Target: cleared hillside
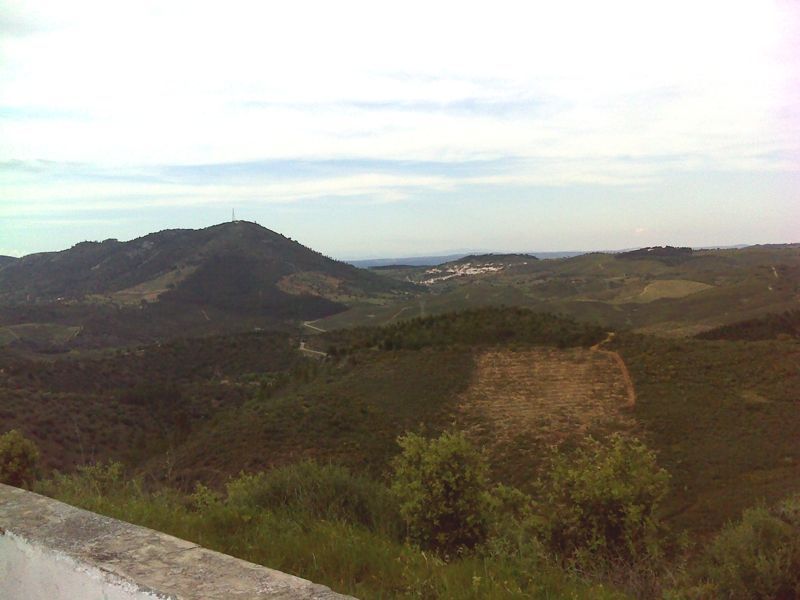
pixel 519 403
pixel 548 393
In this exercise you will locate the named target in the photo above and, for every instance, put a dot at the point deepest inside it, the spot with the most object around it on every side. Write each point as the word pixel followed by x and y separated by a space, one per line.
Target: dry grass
pixel 548 393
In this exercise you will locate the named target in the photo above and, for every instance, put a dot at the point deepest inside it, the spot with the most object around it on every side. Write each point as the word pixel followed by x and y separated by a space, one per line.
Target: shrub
pixel 88 483
pixel 600 504
pixel 307 489
pixel 19 458
pixel 758 557
pixel 442 488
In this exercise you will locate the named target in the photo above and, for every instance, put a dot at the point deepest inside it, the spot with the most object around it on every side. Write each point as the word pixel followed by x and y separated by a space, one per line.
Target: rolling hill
pixel 666 291
pixel 228 277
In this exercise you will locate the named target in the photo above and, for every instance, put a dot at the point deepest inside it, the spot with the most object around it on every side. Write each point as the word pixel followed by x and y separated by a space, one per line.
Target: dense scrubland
pixel 359 470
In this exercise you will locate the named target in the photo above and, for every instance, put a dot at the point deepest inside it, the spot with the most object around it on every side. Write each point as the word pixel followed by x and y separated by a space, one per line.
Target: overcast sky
pixel 368 129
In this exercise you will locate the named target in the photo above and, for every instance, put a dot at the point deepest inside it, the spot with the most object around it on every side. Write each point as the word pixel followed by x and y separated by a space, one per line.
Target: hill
pixel 666 291
pixel 720 414
pixel 133 404
pixel 6 260
pixel 768 327
pixel 238 275
pixel 669 255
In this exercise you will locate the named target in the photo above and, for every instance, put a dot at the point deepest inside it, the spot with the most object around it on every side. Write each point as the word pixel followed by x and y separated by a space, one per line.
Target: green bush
pixel 600 504
pixel 329 492
pixel 19 458
pixel 442 487
pixel 758 557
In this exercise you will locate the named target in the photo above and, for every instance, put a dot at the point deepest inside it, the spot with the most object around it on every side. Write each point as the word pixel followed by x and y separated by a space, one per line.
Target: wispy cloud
pixel 260 103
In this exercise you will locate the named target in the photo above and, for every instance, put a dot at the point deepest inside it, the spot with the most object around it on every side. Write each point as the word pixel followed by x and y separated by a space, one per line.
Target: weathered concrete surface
pixel 52 551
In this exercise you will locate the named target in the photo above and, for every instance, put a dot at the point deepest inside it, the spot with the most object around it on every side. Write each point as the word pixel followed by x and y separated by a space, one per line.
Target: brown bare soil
pixel 548 394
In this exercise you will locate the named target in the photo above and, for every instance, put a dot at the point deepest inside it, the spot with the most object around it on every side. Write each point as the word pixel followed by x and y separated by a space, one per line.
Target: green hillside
pixel 666 291
pixel 227 278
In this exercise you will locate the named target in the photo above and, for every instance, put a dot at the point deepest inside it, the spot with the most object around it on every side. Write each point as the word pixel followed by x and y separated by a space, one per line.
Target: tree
pixel 19 457
pixel 601 503
pixel 442 489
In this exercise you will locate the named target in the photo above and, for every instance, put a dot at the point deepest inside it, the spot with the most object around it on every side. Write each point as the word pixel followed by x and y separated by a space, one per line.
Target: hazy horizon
pixel 369 134
pixel 449 252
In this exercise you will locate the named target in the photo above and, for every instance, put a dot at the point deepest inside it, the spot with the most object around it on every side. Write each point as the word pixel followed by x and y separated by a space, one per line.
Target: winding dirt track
pixel 549 393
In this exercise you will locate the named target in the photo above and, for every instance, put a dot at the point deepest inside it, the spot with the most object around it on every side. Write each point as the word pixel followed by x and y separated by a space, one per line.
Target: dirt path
pixel 397 314
pixel 315 328
pixel 303 348
pixel 626 375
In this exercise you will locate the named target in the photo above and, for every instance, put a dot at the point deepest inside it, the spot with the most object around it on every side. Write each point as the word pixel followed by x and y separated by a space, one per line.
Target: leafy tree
pixel 601 503
pixel 19 457
pixel 442 488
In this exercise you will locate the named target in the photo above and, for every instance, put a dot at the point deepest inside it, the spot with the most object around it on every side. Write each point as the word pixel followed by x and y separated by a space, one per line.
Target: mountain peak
pixel 231 259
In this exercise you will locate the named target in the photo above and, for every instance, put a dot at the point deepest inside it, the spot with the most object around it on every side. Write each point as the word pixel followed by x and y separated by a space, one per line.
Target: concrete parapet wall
pixel 52 551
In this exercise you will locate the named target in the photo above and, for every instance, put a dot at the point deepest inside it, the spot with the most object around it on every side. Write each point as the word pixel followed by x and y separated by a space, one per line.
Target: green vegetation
pixel 758 557
pixel 768 327
pixel 480 327
pixel 722 417
pixel 603 502
pixel 600 513
pixel 349 412
pixel 279 518
pixel 317 438
pixel 174 283
pixel 688 291
pixel 327 492
pixel 591 531
pixel 134 404
pixel 669 255
pixel 19 458
pixel 442 486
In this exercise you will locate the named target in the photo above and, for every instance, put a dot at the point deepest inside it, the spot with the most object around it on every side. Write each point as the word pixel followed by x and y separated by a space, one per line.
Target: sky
pixel 377 129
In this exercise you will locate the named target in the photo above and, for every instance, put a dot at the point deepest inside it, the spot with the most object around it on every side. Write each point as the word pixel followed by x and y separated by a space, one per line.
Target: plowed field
pixel 548 393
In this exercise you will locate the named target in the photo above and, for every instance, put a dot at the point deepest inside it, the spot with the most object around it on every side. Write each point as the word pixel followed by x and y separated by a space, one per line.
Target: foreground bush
pixel 345 555
pixel 19 458
pixel 442 487
pixel 601 503
pixel 758 557
pixel 329 492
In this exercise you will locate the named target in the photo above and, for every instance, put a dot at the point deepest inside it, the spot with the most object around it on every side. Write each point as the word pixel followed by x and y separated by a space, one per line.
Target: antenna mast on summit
pixel 233 215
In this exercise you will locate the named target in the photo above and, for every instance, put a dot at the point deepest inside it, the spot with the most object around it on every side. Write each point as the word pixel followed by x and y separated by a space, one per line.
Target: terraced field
pixel 548 394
